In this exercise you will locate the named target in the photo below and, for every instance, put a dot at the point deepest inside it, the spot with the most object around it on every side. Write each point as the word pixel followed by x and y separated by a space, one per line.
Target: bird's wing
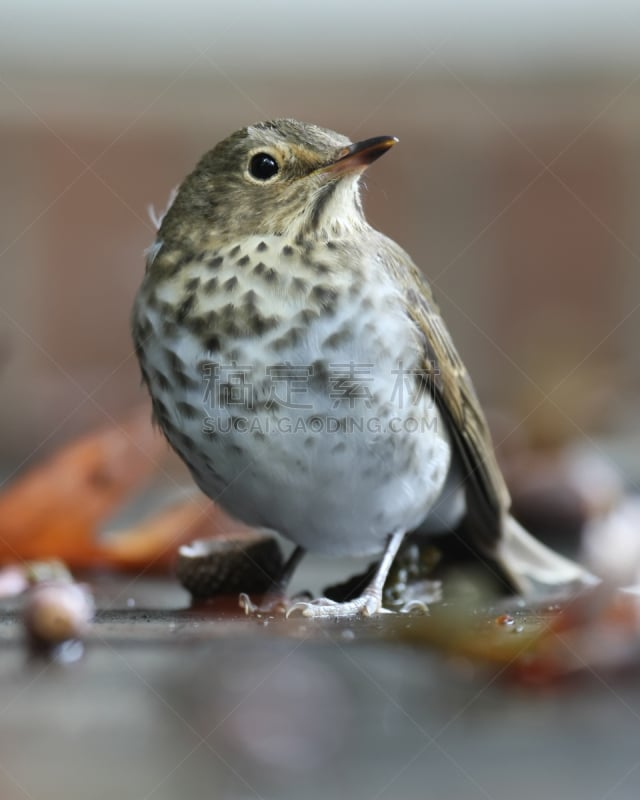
pixel 486 494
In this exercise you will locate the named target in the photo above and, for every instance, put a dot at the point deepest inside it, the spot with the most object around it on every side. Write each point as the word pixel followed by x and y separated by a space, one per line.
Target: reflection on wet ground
pixel 171 702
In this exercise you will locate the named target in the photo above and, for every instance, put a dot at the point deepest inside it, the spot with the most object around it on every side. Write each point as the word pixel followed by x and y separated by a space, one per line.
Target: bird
pixel 298 363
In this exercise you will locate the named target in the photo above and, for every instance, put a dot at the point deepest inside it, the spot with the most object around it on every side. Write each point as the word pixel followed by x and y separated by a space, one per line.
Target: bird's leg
pixel 282 581
pixel 278 586
pixel 369 602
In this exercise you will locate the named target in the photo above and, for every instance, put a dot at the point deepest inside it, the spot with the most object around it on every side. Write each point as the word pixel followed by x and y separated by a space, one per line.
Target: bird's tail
pixel 533 567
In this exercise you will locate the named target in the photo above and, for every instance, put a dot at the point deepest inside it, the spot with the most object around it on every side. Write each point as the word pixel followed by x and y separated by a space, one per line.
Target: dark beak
pixel 358 156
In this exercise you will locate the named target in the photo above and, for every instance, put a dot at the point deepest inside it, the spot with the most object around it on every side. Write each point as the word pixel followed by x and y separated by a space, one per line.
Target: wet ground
pixel 171 703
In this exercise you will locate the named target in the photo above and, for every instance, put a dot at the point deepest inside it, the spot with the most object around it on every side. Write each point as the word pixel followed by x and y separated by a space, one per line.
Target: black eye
pixel 263 166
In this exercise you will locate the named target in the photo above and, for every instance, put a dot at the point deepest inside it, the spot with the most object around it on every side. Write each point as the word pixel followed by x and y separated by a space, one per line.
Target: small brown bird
pixel 298 363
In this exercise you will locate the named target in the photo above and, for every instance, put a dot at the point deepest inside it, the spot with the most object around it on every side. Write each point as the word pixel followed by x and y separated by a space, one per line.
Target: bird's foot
pixel 271 604
pixel 414 597
pixel 367 605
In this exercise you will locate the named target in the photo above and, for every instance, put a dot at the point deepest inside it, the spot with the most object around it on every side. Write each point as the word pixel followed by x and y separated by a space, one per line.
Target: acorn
pixel 57 611
pixel 213 567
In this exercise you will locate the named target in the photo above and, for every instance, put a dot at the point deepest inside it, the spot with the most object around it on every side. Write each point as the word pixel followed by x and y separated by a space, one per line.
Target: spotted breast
pixel 293 388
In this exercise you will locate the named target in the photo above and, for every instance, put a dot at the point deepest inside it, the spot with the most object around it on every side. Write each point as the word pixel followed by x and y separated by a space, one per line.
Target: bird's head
pixel 278 177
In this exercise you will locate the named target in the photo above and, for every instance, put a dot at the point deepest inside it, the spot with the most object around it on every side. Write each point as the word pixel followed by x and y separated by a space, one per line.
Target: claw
pixel 270 605
pixel 247 604
pixel 415 607
pixel 367 605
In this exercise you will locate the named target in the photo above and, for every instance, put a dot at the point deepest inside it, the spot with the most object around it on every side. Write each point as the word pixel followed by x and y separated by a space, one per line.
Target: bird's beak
pixel 357 157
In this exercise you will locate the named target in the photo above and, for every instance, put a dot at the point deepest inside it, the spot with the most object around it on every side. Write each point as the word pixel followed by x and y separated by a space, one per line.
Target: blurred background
pixel 516 185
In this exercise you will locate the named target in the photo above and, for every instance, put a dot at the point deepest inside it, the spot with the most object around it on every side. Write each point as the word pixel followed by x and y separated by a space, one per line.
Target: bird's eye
pixel 263 166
